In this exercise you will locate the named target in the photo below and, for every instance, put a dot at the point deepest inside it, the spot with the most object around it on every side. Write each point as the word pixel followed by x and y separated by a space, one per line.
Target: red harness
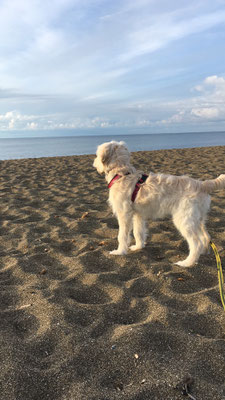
pixel 137 186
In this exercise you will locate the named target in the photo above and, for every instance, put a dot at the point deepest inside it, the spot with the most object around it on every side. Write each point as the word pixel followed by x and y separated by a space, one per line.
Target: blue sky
pixel 100 66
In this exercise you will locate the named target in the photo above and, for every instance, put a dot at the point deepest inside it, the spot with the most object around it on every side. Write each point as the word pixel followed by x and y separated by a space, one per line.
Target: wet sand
pixel 77 323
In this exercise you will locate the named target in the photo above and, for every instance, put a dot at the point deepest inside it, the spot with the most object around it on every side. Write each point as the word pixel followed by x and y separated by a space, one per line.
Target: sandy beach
pixel 78 323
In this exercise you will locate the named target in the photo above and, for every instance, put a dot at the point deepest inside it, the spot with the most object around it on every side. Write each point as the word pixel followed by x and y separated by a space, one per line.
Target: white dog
pixel 133 201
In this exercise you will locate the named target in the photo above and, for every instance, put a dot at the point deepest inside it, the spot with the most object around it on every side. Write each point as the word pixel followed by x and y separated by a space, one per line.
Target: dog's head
pixel 111 155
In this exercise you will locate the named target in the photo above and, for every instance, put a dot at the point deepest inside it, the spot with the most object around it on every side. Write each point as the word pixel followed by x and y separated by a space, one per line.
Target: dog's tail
pixel 213 184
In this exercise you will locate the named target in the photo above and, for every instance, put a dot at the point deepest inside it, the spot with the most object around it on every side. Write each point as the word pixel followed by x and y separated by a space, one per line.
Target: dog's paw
pixel 134 247
pixel 184 263
pixel 118 252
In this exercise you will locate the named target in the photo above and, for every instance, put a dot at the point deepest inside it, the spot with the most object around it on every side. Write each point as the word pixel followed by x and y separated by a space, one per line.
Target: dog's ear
pixel 108 152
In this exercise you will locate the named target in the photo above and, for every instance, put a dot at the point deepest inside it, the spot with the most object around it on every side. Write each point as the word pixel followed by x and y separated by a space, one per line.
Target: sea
pixel 35 147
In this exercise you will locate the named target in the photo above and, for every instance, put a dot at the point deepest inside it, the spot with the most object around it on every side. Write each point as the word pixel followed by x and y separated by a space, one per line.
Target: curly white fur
pixel 186 200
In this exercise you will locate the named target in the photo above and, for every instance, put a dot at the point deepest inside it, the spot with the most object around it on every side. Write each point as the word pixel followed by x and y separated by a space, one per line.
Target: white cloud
pixel 174 119
pixel 32 125
pixel 13 120
pixel 211 102
pixel 215 80
pixel 208 113
pixel 212 85
pixel 157 33
pixel 207 106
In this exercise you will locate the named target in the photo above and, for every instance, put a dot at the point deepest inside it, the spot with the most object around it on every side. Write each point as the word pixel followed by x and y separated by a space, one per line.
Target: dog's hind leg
pixel 139 231
pixel 125 225
pixel 205 238
pixel 190 230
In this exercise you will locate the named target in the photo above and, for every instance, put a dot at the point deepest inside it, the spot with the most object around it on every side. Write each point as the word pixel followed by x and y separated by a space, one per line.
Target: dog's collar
pixel 114 179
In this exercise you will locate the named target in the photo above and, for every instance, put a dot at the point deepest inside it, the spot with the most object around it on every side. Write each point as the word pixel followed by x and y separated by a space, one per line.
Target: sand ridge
pixel 77 323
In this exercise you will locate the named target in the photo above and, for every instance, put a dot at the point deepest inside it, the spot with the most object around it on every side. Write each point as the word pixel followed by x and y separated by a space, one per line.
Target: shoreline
pixel 77 323
pixel 132 152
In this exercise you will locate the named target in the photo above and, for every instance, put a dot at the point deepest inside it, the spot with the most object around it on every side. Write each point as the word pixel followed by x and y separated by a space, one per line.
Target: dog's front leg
pixel 125 225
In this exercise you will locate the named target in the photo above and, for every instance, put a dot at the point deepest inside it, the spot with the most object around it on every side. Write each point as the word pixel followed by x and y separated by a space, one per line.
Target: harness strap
pixel 137 186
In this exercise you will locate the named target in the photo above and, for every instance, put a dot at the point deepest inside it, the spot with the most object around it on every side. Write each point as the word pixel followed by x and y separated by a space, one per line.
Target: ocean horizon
pixel 56 146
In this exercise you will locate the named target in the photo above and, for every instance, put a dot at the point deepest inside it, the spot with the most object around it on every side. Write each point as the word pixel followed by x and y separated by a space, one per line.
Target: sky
pixel 122 66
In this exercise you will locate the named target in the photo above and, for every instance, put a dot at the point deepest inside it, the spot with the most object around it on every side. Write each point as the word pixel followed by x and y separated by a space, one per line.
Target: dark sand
pixel 77 323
